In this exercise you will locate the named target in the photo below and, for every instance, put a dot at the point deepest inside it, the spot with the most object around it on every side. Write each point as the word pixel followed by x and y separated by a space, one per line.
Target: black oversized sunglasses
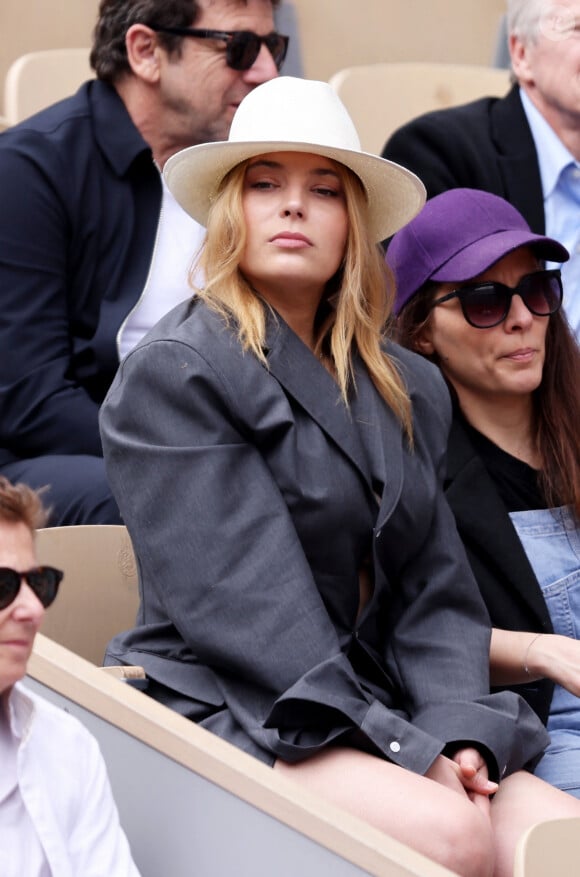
pixel 43 580
pixel 242 46
pixel 486 303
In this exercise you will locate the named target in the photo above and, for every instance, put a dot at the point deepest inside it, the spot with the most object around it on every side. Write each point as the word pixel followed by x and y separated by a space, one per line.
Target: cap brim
pixel 395 195
pixel 480 255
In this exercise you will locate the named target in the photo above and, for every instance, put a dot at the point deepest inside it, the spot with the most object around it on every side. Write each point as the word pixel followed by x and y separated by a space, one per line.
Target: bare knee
pixel 437 821
pixel 466 842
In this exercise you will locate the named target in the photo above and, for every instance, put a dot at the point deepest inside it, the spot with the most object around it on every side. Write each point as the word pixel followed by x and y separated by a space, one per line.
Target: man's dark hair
pixel 109 54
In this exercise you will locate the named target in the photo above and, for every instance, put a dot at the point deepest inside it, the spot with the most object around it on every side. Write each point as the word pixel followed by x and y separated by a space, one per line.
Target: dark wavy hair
pixel 109 54
pixel 556 400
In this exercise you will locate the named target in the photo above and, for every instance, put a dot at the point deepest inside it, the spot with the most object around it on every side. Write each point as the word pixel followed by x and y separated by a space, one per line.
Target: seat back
pixel 99 595
pixel 548 849
pixel 382 97
pixel 38 79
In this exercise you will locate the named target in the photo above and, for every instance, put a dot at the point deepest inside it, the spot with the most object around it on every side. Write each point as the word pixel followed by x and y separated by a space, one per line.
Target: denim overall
pixel 551 540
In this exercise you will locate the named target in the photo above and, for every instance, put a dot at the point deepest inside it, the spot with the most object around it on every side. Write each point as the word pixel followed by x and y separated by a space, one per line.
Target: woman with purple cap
pixel 473 296
pixel 278 465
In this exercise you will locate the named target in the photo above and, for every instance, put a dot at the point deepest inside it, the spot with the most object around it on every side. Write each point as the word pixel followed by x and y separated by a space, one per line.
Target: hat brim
pixel 480 255
pixel 395 195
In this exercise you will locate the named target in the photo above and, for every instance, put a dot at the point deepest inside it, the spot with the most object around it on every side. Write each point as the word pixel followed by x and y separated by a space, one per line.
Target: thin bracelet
pixel 530 644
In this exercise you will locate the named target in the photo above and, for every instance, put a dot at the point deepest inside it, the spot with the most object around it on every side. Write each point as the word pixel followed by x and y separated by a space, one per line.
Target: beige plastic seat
pixel 99 595
pixel 38 79
pixel 382 97
pixel 549 849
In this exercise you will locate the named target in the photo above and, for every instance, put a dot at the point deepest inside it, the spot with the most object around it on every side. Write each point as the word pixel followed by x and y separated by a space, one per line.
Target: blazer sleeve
pixel 217 545
pixel 41 407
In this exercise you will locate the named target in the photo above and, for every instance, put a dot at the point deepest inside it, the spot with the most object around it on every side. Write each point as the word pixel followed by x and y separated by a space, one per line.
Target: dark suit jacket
pixel 252 497
pixel 506 580
pixel 486 144
pixel 80 206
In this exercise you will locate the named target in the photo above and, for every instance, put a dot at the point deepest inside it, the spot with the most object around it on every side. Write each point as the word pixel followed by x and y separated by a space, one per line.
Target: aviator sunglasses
pixel 242 46
pixel 43 580
pixel 486 303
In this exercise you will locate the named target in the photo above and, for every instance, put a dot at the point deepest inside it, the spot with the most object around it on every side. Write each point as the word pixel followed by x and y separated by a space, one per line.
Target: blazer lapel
pixel 308 382
pixel 517 159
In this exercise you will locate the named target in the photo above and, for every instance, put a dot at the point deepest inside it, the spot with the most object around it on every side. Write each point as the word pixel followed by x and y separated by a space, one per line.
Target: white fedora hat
pixel 288 114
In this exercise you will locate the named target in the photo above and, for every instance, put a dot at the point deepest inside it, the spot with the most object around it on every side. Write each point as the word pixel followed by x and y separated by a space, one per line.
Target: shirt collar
pixel 553 156
pixel 118 137
pixel 20 709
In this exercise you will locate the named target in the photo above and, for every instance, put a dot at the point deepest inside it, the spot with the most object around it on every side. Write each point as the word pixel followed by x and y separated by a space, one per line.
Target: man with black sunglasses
pixel 57 814
pixel 93 249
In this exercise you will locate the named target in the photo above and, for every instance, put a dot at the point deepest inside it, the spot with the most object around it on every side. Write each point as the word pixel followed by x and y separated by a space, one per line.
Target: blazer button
pixel 378 533
pixel 395 746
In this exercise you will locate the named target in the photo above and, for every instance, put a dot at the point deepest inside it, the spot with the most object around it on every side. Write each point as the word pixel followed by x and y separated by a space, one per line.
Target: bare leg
pixel 522 800
pixel 435 819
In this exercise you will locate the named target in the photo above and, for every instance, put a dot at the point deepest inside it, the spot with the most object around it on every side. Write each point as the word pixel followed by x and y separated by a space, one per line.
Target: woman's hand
pixel 474 776
pixel 465 773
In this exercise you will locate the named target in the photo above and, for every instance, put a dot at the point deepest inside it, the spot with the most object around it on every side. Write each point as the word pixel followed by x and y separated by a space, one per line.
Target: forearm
pixel 514 657
pixel 517 656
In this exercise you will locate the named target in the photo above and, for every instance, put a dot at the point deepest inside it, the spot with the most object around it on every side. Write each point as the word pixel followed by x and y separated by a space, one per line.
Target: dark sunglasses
pixel 242 46
pixel 487 303
pixel 44 581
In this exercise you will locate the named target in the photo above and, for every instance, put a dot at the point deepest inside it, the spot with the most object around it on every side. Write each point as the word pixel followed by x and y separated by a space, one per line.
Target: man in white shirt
pixel 57 814
pixel 525 146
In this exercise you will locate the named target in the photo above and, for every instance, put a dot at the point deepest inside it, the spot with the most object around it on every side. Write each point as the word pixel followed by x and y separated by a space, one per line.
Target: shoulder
pixel 91 130
pixel 421 377
pixel 51 726
pixel 46 124
pixel 476 112
pixel 191 346
pixel 192 326
pixel 426 388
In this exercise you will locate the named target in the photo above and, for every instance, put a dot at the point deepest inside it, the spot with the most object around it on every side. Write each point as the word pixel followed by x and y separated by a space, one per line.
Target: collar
pixel 117 136
pixel 553 156
pixel 20 710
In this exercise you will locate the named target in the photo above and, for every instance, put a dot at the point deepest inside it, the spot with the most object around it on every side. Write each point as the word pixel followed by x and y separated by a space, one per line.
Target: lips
pixel 522 355
pixel 291 238
pixel 17 644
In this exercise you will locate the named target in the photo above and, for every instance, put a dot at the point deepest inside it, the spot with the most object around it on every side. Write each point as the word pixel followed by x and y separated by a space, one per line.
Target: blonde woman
pixel 278 465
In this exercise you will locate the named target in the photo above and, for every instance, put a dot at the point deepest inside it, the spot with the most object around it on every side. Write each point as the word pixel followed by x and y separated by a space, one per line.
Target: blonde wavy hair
pixel 355 313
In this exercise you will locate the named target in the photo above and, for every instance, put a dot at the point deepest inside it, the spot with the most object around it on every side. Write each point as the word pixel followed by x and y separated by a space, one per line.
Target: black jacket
pixel 81 198
pixel 506 580
pixel 486 144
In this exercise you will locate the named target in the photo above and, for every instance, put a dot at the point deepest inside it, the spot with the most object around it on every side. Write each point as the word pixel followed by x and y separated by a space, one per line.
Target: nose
pixel 27 606
pixel 263 69
pixel 519 315
pixel 293 205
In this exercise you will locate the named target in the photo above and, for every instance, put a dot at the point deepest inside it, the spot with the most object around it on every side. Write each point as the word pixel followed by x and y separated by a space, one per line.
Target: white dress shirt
pixel 560 176
pixel 57 814
pixel 177 245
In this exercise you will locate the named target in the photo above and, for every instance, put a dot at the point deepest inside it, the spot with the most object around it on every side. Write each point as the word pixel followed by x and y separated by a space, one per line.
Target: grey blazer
pixel 253 498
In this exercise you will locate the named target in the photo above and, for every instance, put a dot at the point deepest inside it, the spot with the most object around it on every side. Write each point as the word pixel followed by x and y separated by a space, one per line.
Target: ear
pixel 143 52
pixel 423 343
pixel 520 57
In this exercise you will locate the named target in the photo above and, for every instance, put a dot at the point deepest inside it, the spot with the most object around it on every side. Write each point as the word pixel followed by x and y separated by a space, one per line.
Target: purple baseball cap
pixel 458 235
